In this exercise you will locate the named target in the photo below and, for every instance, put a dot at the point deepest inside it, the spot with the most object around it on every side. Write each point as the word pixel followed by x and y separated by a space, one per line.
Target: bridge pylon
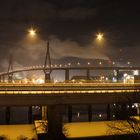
pixel 10 70
pixel 47 71
pixel 47 65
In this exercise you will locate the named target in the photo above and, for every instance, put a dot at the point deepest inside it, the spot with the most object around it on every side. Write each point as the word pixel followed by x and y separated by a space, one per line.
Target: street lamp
pixel 100 40
pixel 99 36
pixel 32 32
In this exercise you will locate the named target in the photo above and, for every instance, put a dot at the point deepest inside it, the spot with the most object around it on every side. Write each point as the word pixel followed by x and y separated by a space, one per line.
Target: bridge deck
pixel 68 88
pixel 68 94
pixel 34 68
pixel 46 99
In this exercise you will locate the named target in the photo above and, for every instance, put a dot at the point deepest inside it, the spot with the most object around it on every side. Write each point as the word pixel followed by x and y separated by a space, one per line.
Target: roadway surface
pixel 68 88
pixel 68 93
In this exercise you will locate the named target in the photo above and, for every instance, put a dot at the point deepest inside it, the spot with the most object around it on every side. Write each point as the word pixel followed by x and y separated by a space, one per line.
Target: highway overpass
pixel 68 93
pixel 57 96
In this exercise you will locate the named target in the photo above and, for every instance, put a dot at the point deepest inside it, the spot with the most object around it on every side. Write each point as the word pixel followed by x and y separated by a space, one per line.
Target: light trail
pixel 70 92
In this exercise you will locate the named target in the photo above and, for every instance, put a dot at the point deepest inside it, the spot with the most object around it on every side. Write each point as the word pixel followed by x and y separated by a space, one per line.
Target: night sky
pixel 71 26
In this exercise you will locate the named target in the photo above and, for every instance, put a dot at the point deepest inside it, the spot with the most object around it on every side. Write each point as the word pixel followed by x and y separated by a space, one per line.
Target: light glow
pixel 99 36
pixel 32 32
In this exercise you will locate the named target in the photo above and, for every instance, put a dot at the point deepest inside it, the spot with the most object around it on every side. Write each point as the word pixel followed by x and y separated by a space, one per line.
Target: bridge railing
pixel 69 84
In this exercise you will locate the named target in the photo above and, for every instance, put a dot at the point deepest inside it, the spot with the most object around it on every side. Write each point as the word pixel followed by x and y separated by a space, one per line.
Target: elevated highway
pixel 68 93
pixel 57 96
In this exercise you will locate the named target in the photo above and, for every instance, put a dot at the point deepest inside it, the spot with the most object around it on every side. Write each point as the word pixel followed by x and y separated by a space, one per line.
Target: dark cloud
pixel 73 23
pixel 34 53
pixel 36 10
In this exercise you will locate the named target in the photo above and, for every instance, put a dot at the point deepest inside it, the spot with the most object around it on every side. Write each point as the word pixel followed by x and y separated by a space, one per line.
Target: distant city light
pixel 128 78
pixel 88 63
pixel 113 63
pixel 133 106
pixel 100 63
pixel 56 81
pixel 39 81
pixel 135 72
pixel 136 104
pixel 78 114
pixel 115 72
pixel 100 115
pixel 127 106
pixel 114 104
pixel 25 80
pixel 73 80
pixel 78 63
pixel 125 74
pixel 106 79
pixel 114 79
pixel 128 63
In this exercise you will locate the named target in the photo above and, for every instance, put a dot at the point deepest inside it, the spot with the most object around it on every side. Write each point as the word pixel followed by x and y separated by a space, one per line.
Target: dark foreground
pixel 116 137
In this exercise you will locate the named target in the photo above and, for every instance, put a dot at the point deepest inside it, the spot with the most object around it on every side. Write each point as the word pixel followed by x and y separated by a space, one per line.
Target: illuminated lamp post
pixel 99 36
pixel 32 32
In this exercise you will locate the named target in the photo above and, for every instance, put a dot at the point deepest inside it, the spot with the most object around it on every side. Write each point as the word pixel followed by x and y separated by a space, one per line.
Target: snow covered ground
pixel 71 130
pixel 95 129
pixel 14 132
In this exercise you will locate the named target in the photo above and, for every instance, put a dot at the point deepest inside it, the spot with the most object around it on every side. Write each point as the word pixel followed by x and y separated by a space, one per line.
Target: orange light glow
pixel 99 36
pixel 32 32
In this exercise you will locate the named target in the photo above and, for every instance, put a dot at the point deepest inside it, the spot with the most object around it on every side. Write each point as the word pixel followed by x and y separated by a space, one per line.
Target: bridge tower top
pixel 10 66
pixel 47 64
pixel 10 69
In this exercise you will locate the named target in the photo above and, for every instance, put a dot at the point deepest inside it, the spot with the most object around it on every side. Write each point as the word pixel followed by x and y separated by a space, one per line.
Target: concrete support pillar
pixel 3 78
pixel 10 78
pixel 47 77
pixel 117 74
pixel 55 125
pixel 88 74
pixel 117 111
pixel 121 112
pixel 138 109
pixel 108 111
pixel 44 112
pixel 69 113
pixel 67 75
pixel 89 112
pixel 7 115
pixel 30 115
pixel 124 112
pixel 132 111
